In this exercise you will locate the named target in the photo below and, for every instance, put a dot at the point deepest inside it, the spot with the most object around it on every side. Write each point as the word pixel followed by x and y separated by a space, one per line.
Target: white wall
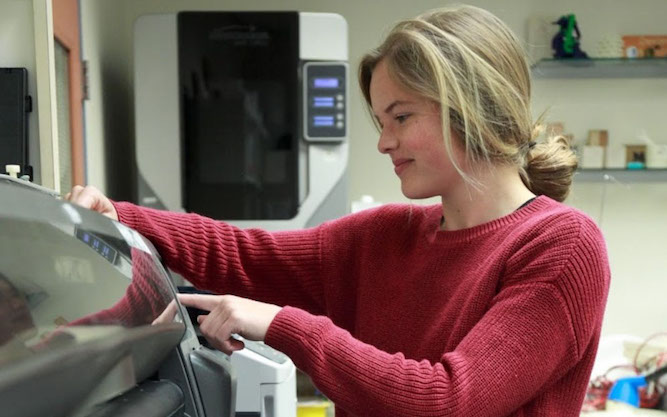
pixel 107 128
pixel 634 220
pixel 17 49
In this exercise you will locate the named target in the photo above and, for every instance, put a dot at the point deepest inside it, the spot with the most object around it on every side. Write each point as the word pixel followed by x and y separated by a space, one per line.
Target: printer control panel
pixel 325 96
pixel 266 351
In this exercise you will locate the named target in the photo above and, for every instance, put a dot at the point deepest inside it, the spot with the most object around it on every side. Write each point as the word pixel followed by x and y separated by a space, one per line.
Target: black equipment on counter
pixel 15 104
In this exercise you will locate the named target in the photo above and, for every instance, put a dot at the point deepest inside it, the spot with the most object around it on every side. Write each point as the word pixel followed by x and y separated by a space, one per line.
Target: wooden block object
pixel 598 138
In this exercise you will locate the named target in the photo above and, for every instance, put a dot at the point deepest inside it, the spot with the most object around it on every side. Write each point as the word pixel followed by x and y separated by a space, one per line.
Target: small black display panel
pixel 97 244
pixel 325 101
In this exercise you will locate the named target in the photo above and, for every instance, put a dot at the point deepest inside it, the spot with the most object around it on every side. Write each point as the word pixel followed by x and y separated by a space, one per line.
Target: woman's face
pixel 411 134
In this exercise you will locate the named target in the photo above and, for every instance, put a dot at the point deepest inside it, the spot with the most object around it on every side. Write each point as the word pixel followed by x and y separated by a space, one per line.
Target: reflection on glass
pixel 144 300
pixel 61 286
pixel 16 324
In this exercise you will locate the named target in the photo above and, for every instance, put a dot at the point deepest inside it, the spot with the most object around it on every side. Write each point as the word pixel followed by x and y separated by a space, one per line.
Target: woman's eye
pixel 401 118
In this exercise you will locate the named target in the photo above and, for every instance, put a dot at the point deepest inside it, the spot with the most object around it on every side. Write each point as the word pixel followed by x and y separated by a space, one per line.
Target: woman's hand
pixel 230 314
pixel 168 314
pixel 91 198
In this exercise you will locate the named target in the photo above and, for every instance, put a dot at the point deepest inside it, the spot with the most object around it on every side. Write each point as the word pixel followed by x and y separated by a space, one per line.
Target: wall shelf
pixel 621 175
pixel 601 68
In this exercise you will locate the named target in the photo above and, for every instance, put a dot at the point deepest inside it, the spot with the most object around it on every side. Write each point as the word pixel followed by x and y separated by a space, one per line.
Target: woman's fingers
pixel 215 326
pixel 74 193
pixel 201 301
pixel 91 198
pixel 168 314
pixel 231 315
pixel 218 329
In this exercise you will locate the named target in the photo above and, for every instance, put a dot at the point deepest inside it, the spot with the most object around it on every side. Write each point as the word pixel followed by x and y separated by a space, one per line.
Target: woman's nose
pixel 387 142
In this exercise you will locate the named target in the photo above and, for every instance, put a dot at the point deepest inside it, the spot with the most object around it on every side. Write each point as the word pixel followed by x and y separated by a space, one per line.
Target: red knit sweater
pixel 392 317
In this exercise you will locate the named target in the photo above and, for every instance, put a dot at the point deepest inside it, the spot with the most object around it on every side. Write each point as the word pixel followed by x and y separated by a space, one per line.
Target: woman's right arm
pixel 278 268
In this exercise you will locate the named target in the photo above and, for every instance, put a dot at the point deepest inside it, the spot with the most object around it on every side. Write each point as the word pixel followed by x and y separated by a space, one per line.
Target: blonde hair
pixel 470 62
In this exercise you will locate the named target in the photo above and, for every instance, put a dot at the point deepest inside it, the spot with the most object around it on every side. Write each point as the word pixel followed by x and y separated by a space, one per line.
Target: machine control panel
pixel 325 101
pixel 97 244
pixel 266 351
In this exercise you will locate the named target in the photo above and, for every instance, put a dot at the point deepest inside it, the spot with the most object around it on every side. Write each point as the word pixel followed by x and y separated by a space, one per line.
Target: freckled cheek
pixel 432 149
pixel 438 162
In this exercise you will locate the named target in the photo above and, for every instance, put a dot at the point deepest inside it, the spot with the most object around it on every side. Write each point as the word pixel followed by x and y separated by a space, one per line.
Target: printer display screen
pixel 97 244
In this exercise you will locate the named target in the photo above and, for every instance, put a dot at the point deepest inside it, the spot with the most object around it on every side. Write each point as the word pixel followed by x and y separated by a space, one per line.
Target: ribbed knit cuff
pixel 126 213
pixel 296 332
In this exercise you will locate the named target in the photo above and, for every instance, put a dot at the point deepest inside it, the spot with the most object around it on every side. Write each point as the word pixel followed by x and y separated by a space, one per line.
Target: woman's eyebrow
pixel 396 103
pixel 391 107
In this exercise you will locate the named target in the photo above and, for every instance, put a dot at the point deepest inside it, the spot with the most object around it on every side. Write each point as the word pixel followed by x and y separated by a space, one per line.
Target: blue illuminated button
pixel 323 101
pixel 325 82
pixel 323 121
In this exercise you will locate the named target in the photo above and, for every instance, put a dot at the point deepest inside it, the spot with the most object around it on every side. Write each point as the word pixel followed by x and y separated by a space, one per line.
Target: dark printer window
pixel 239 108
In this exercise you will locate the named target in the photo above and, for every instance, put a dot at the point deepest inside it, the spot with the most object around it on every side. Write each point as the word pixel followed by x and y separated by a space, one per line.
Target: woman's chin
pixel 412 194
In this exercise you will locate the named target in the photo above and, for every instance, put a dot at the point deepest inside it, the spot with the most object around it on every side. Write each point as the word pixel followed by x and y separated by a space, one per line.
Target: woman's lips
pixel 400 165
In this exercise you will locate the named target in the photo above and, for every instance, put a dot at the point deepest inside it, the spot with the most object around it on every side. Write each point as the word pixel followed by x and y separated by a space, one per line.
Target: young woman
pixel 489 304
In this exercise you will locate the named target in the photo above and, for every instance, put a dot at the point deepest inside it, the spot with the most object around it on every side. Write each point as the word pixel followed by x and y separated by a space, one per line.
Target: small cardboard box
pixel 598 138
pixel 635 153
pixel 645 46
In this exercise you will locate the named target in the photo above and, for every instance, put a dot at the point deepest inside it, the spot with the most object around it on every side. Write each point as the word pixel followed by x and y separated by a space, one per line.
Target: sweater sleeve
pixel 279 268
pixel 528 339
